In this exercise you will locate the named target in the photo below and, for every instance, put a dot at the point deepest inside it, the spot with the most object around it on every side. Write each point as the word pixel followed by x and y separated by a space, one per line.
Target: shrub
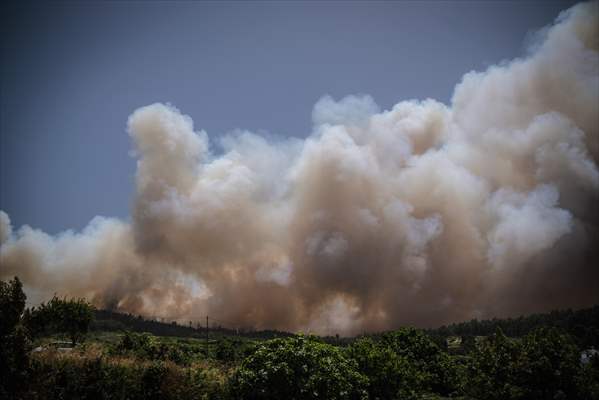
pixel 59 376
pixel 152 381
pixel 146 346
pixel 230 350
pixel 142 345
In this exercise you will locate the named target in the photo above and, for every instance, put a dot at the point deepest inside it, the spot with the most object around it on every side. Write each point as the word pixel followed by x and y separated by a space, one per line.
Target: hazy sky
pixel 71 74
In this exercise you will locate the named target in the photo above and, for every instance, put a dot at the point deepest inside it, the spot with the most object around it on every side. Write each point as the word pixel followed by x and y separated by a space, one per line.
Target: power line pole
pixel 206 335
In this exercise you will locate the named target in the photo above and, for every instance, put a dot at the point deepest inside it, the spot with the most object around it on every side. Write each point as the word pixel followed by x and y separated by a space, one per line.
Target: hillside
pixel 112 321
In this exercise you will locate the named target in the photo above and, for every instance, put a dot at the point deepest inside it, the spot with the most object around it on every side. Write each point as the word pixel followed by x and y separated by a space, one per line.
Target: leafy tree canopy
pixel 298 368
pixel 69 316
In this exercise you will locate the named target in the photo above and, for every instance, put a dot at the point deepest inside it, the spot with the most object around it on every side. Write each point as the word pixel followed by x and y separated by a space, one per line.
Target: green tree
pixel 297 368
pixel 227 349
pixel 12 304
pixel 14 344
pixel 548 365
pixel 435 366
pixel 71 317
pixel 587 380
pixel 492 369
pixel 542 365
pixel 468 344
pixel 405 364
pixel 390 375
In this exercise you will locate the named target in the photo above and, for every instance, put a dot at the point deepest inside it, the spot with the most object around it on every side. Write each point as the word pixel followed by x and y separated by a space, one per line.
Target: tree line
pixel 582 324
pixel 113 321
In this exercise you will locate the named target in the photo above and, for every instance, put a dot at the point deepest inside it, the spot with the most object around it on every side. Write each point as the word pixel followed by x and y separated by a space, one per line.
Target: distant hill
pixel 106 320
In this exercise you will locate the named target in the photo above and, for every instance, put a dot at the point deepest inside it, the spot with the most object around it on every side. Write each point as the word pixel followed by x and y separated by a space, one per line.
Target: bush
pixel 231 350
pixel 152 381
pixel 297 368
pixel 75 378
pixel 226 350
pixel 142 345
pixel 147 347
pixel 56 376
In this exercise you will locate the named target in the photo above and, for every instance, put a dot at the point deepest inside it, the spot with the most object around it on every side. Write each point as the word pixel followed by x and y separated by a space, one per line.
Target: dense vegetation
pixel 583 325
pixel 298 368
pixel 537 357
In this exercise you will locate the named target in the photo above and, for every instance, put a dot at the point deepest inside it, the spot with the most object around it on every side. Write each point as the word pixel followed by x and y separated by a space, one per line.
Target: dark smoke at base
pixel 424 214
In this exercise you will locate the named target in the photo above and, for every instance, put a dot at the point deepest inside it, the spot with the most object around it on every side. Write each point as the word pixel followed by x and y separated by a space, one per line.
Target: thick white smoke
pixel 423 214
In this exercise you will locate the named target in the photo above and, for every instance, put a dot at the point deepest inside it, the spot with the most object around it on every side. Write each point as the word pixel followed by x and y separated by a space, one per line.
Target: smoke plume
pixel 424 214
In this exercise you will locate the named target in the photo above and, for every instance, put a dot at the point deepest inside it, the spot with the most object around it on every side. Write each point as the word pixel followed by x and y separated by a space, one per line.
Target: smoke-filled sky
pixel 72 72
pixel 430 195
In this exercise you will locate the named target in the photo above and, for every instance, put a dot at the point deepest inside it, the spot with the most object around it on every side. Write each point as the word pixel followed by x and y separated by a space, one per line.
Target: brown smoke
pixel 423 214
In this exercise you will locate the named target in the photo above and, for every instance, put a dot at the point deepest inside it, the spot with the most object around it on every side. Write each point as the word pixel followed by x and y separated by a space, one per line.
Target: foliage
pixel 71 317
pixel 298 368
pixel 72 377
pixel 582 325
pixel 19 325
pixel 408 363
pixel 148 347
pixel 548 364
pixel 229 350
pixel 435 366
pixel 587 380
pixel 12 303
pixel 543 365
pixel 13 339
pixel 107 320
pixel 405 364
pixel 468 344
pixel 390 375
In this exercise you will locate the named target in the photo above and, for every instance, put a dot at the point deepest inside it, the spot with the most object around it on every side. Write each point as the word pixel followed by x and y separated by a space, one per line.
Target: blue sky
pixel 71 74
